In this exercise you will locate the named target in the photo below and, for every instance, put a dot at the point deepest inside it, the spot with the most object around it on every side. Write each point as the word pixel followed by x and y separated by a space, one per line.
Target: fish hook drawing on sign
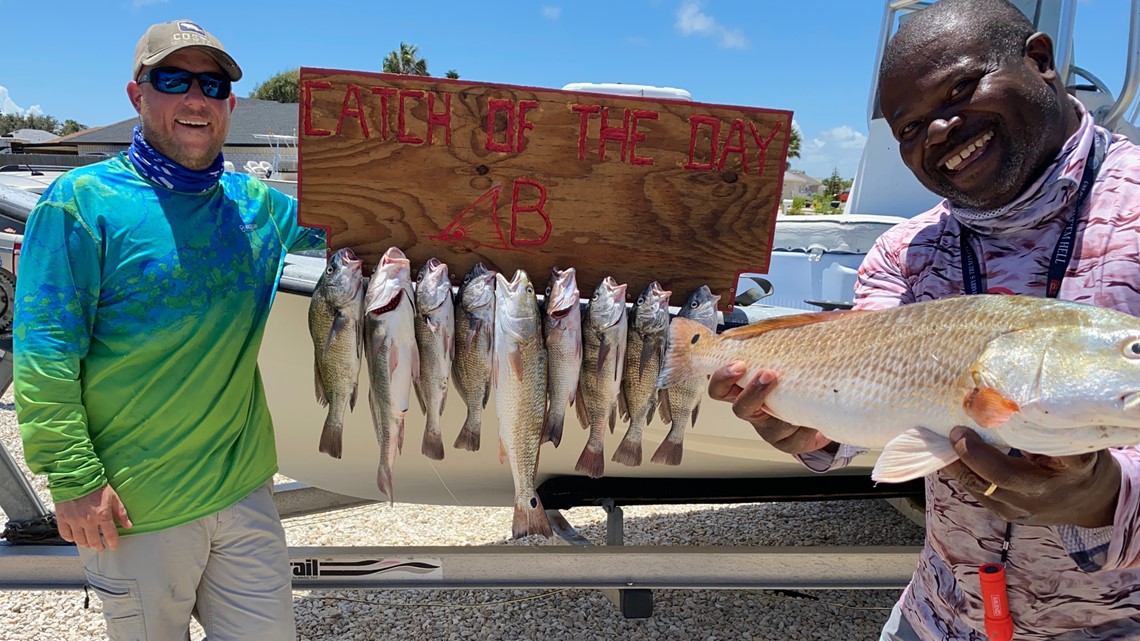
pixel 476 227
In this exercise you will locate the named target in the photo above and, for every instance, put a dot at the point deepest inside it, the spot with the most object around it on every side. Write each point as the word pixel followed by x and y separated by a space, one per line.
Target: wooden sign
pixel 522 178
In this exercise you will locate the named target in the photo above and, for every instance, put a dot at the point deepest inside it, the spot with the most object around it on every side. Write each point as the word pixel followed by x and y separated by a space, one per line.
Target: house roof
pixel 31 135
pixel 250 117
pixel 798 177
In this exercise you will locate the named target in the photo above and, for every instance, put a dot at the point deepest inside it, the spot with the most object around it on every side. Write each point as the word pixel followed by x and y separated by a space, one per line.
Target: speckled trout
pixel 1045 376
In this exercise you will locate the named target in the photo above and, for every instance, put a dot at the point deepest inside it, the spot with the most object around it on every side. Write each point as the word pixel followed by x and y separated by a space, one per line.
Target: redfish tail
pixel 678 366
pixel 530 518
pixel 384 483
pixel 669 452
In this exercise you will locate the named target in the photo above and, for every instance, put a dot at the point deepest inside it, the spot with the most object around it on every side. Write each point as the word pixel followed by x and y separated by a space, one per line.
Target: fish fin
pixel 647 348
pixel 629 451
pixel 652 409
pixel 472 331
pixel 913 454
pixel 331 438
pixel 433 445
pixel 449 341
pixel 514 356
pixel 591 462
pixel 678 365
pixel 613 416
pixel 555 420
pixel 339 321
pixel 320 387
pixel 486 394
pixel 352 399
pixel 580 410
pixel 468 438
pixel 393 361
pixel 400 434
pixel 418 388
pixel 530 518
pixel 604 350
pixel 415 355
pixel 696 410
pixel 988 407
pixel 664 409
pixel 443 400
pixel 785 322
pixel 502 450
pixel 669 452
pixel 384 483
pixel 623 406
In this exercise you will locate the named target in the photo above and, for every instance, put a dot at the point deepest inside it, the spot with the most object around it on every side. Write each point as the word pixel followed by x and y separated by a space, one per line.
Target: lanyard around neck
pixel 1062 253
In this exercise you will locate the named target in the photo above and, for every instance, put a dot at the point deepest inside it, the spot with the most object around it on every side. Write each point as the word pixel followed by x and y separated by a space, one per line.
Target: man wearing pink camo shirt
pixel 982 119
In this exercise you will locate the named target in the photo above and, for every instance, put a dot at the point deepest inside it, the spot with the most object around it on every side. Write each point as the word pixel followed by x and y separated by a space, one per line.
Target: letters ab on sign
pixel 523 178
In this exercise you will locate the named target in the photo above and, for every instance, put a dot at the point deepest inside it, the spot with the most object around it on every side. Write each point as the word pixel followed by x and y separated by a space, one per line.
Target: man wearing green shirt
pixel 145 283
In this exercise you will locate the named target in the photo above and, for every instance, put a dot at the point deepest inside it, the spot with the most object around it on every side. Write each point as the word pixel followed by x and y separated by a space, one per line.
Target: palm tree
pixel 406 61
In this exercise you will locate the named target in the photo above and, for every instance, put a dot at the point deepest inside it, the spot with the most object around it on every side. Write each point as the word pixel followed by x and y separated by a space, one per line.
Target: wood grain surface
pixel 524 178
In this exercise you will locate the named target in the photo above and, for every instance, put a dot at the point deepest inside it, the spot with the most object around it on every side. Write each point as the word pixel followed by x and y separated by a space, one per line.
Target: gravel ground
pixel 552 615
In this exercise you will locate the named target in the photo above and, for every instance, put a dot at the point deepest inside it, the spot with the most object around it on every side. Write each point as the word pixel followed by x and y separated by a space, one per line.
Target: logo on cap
pixel 190 26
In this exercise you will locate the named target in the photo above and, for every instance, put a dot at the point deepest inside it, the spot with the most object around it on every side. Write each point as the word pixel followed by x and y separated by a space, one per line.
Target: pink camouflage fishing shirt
pixel 1064 583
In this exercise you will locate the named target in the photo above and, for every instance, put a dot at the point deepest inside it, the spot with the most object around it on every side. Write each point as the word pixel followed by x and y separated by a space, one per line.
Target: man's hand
pixel 87 520
pixel 748 404
pixel 1079 490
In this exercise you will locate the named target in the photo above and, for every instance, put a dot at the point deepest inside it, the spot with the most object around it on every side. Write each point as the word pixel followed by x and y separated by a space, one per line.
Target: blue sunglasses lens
pixel 171 80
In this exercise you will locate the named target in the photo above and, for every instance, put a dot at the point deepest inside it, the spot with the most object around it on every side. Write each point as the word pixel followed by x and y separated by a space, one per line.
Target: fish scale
pixel 471 367
pixel 334 325
pixel 1045 376
pixel 520 395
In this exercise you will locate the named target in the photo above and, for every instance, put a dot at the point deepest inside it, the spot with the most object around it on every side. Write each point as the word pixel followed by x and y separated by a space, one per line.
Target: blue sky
pixel 72 59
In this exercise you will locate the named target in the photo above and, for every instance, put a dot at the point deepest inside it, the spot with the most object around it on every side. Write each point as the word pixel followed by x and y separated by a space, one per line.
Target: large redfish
pixel 1044 376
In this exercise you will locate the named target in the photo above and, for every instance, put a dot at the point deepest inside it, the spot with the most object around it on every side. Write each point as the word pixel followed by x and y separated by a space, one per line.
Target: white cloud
pixel 692 21
pixel 7 106
pixel 836 148
pixel 551 13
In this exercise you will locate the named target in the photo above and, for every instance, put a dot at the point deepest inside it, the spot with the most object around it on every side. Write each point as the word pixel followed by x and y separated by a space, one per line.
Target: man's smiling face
pixel 188 128
pixel 972 128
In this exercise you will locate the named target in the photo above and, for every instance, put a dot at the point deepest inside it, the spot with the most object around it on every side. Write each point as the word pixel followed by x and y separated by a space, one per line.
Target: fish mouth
pixel 1130 404
pixel 393 255
pixel 561 313
pixel 389 306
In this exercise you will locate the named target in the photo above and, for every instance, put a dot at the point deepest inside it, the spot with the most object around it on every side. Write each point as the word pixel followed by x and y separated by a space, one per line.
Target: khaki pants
pixel 229 569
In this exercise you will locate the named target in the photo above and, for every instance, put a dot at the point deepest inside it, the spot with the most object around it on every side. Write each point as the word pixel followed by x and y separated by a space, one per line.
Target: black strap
pixel 972 277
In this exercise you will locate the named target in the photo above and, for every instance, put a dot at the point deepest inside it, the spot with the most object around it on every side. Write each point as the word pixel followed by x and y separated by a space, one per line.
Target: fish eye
pixel 640 300
pixel 529 290
pixel 1132 349
pixel 694 305
pixel 467 278
pixel 329 270
pixel 548 291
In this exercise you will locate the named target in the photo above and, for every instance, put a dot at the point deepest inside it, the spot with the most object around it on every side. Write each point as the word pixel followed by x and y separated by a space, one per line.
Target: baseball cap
pixel 163 39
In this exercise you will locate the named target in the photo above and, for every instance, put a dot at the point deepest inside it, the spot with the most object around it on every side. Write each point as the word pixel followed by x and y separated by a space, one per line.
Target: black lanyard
pixel 1062 254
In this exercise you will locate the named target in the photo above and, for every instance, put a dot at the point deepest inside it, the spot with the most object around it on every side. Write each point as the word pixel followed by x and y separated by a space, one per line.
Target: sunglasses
pixel 172 80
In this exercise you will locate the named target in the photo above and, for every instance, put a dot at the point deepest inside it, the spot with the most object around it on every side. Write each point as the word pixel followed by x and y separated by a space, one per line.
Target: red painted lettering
pixel 384 93
pixel 524 124
pixel 353 93
pixel 636 136
pixel 585 111
pixel 310 85
pixel 738 129
pixel 442 119
pixel 536 208
pixel 695 123
pixel 613 133
pixel 401 131
pixel 494 106
pixel 763 156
